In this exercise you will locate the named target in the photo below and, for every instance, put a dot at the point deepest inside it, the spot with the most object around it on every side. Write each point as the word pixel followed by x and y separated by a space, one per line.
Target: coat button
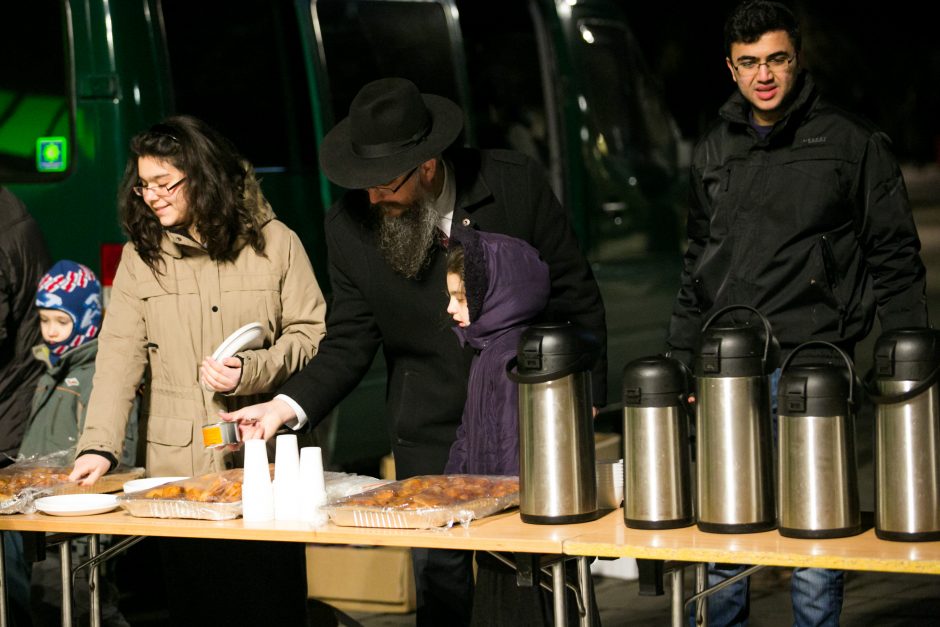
pixel 466 222
pixel 214 308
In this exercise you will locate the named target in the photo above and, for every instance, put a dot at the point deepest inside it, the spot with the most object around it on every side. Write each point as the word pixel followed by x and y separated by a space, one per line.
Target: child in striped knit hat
pixel 70 313
pixel 69 304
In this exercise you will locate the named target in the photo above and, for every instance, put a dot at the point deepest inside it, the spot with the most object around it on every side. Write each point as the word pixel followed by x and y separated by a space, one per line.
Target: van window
pixel 371 39
pixel 36 108
pixel 630 117
pixel 245 77
pixel 506 78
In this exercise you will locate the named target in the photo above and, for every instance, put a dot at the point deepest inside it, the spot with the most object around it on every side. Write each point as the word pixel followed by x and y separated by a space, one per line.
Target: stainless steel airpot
pixel 817 470
pixel 556 429
pixel 734 441
pixel 907 435
pixel 657 484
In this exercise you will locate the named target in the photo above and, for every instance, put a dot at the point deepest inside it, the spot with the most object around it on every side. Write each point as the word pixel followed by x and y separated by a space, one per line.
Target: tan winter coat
pixel 164 325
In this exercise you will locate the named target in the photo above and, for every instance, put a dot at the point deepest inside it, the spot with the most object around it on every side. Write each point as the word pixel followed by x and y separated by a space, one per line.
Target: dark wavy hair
pixel 752 18
pixel 224 198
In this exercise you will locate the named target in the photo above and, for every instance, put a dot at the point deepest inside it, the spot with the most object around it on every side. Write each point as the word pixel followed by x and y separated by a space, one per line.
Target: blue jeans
pixel 816 593
pixel 816 596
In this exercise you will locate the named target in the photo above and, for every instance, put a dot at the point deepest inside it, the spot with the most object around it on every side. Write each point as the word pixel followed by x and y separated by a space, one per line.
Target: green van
pixel 562 80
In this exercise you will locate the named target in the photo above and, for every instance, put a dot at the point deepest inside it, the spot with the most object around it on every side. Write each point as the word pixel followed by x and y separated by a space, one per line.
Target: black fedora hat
pixel 391 128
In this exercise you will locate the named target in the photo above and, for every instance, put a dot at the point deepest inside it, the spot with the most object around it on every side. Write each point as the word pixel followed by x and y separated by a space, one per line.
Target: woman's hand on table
pixel 260 421
pixel 89 468
pixel 220 376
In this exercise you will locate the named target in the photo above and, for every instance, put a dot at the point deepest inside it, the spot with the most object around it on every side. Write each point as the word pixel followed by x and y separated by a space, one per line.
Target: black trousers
pixel 443 587
pixel 234 582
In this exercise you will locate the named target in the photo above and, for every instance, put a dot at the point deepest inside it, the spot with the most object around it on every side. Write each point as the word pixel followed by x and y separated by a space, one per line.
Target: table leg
pixel 95 558
pixel 678 597
pixel 65 557
pixel 3 584
pixel 94 603
pixel 701 606
pixel 586 585
pixel 559 591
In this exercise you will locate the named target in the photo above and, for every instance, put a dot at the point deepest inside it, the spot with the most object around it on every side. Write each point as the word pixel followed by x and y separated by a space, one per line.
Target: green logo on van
pixel 52 154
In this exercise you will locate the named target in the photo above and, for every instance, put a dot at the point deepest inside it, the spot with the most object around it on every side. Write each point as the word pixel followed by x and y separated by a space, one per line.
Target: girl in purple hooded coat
pixel 497 285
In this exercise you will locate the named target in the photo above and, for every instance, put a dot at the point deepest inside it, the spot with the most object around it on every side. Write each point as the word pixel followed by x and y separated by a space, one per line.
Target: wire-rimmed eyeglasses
pixel 392 190
pixel 161 191
pixel 774 63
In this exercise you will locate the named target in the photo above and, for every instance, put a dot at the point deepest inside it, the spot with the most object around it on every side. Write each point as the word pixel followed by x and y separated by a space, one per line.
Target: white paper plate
pixel 77 504
pixel 249 336
pixel 137 485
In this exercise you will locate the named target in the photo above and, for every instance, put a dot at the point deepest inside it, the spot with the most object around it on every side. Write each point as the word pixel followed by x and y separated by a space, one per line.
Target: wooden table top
pixel 501 532
pixel 606 537
pixel 610 537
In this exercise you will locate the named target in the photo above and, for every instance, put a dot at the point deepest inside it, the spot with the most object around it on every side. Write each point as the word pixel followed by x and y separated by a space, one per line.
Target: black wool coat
pixel 23 261
pixel 372 307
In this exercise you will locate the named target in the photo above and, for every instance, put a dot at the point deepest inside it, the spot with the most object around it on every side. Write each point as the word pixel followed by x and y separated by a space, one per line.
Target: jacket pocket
pixel 169 451
pixel 403 409
pixel 833 277
pixel 250 282
pixel 828 279
pixel 169 431
pixel 168 316
pixel 817 184
pixel 255 295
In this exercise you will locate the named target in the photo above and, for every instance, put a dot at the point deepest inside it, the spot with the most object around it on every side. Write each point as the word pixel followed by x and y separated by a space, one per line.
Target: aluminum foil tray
pixel 217 496
pixel 426 502
pixel 213 496
pixel 168 508
pixel 38 481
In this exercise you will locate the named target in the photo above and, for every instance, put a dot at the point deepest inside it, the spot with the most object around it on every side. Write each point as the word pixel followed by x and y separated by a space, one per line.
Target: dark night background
pixel 879 59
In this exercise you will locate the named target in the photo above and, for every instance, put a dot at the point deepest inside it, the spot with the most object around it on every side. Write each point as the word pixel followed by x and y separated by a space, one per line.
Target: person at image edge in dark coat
pixel 23 260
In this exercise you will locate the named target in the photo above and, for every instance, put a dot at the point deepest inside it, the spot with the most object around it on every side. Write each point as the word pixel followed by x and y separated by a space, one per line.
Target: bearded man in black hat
pixel 409 186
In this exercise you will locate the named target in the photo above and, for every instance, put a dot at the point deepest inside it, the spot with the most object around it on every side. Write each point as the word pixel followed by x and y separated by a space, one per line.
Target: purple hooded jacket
pixel 507 285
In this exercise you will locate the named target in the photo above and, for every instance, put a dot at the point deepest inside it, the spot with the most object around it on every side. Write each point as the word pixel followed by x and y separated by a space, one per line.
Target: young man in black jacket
pixel 408 186
pixel 798 209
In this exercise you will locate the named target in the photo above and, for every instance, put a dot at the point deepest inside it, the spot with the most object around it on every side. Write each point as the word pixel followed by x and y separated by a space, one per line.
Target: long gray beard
pixel 405 241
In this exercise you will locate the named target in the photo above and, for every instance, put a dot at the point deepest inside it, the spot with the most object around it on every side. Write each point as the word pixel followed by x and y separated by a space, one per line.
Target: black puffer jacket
pixel 811 226
pixel 23 260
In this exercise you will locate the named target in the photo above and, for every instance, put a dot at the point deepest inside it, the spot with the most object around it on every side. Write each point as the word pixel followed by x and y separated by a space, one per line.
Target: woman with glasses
pixel 206 256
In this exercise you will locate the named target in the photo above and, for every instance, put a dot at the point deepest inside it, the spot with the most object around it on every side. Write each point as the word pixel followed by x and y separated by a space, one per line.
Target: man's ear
pixel 431 174
pixel 731 69
pixel 428 169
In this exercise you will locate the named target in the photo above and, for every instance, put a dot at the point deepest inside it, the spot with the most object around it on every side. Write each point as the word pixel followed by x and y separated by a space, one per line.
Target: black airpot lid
pixel 653 375
pixel 552 350
pixel 735 351
pixel 907 354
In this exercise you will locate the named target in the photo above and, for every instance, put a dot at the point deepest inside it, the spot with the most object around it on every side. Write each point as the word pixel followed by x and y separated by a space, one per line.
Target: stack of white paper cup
pixel 286 478
pixel 312 486
pixel 257 492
